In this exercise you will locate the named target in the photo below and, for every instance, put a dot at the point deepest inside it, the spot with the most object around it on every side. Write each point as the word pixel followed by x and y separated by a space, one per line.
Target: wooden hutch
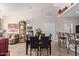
pixel 22 31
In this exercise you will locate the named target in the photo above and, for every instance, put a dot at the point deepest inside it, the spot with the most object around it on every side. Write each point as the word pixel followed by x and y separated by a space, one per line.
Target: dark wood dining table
pixel 28 43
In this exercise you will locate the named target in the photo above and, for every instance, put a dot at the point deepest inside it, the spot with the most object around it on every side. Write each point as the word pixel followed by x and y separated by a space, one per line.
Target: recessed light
pixel 77 12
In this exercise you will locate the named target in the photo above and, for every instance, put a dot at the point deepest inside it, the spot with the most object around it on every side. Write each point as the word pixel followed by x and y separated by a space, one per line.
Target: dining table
pixel 28 43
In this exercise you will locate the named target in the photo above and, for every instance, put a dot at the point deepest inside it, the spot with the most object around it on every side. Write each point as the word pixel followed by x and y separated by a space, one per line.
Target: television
pixel 77 28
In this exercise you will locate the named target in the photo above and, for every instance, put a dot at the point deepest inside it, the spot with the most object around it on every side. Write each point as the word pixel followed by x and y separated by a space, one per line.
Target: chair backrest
pixel 3 45
pixel 71 36
pixel 59 34
pixel 50 35
pixel 45 38
pixel 44 42
pixel 77 35
pixel 34 41
pixel 43 34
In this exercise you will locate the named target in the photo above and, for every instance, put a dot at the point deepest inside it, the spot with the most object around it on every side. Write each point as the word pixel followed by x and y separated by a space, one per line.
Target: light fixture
pixel 77 12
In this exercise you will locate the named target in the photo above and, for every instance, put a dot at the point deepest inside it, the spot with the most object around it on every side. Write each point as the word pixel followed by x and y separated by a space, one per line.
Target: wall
pixel 40 21
pixel 61 21
pixel 37 16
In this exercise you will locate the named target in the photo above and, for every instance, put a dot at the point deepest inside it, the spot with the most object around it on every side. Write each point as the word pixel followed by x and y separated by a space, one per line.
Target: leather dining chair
pixel 34 44
pixel 45 44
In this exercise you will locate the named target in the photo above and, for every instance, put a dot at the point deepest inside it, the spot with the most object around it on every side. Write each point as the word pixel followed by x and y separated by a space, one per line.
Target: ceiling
pixel 72 12
pixel 22 8
pixel 37 9
pixel 30 8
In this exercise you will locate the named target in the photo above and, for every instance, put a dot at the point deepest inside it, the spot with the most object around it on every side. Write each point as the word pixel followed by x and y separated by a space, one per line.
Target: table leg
pixel 68 49
pixel 75 50
pixel 50 48
pixel 59 43
pixel 26 48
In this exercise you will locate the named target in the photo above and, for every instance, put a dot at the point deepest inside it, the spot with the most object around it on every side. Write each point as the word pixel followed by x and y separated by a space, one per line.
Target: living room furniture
pixel 4 51
pixel 61 37
pixel 13 39
pixel 28 44
pixel 22 31
pixel 73 39
pixel 34 44
pixel 16 38
pixel 44 44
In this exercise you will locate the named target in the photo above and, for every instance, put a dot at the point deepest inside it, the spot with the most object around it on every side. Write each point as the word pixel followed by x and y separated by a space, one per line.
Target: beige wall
pixel 39 22
pixel 61 21
pixel 37 15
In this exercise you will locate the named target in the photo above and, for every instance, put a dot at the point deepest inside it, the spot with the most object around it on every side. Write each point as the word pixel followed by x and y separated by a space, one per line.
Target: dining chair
pixel 61 37
pixel 73 39
pixel 50 35
pixel 45 44
pixel 34 44
pixel 43 34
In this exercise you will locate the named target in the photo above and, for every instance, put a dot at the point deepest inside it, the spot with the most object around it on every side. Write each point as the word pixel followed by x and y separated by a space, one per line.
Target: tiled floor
pixel 19 49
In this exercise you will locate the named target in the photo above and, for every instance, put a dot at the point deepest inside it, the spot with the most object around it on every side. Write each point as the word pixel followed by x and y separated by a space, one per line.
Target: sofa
pixel 13 39
pixel 4 51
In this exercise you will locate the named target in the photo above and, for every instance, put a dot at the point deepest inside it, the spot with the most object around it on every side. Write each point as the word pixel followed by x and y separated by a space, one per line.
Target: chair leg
pixel 59 43
pixel 47 52
pixel 75 50
pixel 40 52
pixel 37 51
pixel 50 49
pixel 26 48
pixel 30 52
pixel 65 43
pixel 68 48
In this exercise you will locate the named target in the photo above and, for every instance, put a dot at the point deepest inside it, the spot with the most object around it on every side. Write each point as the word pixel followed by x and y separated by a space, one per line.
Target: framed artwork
pixel 13 26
